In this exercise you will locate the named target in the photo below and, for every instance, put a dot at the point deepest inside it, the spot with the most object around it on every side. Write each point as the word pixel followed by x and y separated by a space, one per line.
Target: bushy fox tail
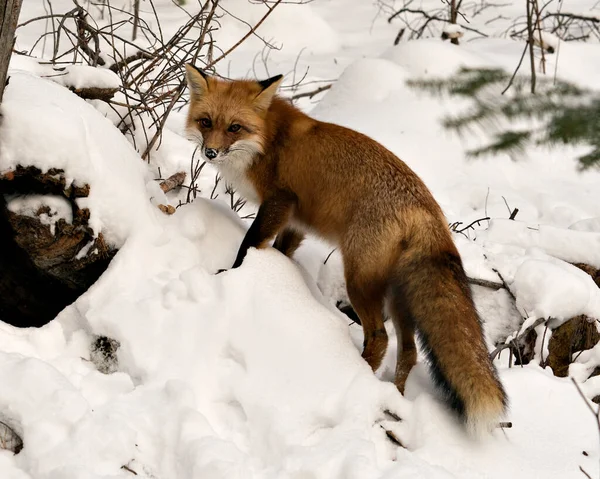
pixel 430 290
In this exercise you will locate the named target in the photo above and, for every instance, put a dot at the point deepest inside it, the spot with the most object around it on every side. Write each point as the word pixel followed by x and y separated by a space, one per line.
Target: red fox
pixel 312 176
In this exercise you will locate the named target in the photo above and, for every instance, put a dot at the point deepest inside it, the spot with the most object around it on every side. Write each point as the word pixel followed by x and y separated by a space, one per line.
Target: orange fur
pixel 320 177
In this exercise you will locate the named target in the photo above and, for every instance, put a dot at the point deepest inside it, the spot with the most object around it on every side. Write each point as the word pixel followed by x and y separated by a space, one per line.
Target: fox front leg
pixel 272 215
pixel 288 240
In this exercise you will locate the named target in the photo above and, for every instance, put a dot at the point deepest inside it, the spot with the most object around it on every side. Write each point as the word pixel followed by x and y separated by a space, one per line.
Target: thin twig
pixel 311 93
pixel 505 285
pixel 486 284
pixel 512 78
pixel 510 344
pixel 531 42
pixel 245 37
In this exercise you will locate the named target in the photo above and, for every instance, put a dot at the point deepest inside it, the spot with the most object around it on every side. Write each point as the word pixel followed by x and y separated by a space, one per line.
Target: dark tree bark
pixel 9 14
pixel 577 334
pixel 44 270
pixel 136 18
pixel 30 297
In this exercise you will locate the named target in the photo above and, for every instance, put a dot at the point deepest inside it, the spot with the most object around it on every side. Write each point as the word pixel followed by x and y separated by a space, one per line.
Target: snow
pixel 585 365
pixel 590 224
pixel 214 372
pixel 453 30
pixel 550 289
pixel 74 76
pixel 286 28
pixel 31 205
pixel 513 457
pixel 535 261
pixel 253 373
pixel 570 245
pixel 243 381
pixel 73 136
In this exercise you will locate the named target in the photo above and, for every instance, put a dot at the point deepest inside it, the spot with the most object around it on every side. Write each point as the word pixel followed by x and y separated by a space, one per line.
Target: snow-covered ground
pixel 254 373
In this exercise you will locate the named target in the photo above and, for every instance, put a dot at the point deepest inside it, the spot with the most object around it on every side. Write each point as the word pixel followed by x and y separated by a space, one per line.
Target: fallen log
pixel 47 259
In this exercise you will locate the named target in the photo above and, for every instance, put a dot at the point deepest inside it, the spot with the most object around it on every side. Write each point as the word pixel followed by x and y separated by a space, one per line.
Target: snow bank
pixel 546 288
pixel 589 224
pixel 544 411
pixel 218 376
pixel 286 27
pixel 535 263
pixel 567 244
pixel 75 76
pixel 545 185
pixel 247 374
pixel 31 205
pixel 416 56
pixel 46 126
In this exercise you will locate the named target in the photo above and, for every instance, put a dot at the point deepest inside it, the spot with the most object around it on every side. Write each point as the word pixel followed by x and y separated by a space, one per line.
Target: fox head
pixel 227 118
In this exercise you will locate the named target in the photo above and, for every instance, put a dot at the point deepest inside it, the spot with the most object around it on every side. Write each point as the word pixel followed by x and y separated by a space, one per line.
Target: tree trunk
pixel 453 18
pixel 9 14
pixel 136 18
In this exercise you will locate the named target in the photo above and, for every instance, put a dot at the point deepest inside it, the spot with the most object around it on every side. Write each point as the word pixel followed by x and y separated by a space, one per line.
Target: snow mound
pixel 416 56
pixel 217 375
pixel 535 261
pixel 74 76
pixel 287 27
pixel 543 408
pixel 567 244
pixel 546 288
pixel 71 135
pixel 246 374
pixel 588 224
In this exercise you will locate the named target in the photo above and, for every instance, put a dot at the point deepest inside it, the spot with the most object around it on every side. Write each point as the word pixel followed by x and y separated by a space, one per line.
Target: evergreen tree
pixel 562 112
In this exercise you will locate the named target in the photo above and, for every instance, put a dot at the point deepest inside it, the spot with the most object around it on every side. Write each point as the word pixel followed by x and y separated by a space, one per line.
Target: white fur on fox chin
pixel 234 164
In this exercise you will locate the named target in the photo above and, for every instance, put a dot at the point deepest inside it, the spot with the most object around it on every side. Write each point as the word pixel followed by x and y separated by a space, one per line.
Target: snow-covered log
pixel 65 199
pixel 50 255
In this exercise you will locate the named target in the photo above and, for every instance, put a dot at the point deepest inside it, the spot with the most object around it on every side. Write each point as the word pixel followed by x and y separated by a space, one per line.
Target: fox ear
pixel 268 89
pixel 197 80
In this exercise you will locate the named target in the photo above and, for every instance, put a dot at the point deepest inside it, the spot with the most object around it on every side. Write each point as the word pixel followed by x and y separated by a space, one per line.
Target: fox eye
pixel 205 122
pixel 234 128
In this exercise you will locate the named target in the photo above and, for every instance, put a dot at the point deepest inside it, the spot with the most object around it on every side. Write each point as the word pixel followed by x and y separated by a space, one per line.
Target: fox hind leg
pixel 407 349
pixel 366 294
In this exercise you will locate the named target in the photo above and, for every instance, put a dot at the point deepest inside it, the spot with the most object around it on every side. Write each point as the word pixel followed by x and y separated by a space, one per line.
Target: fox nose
pixel 210 153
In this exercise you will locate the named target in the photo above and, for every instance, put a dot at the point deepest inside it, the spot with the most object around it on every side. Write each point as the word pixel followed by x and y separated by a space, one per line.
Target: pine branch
pixel 568 114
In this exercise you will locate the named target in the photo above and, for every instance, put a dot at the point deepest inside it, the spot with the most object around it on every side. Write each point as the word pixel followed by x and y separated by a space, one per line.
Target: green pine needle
pixel 568 114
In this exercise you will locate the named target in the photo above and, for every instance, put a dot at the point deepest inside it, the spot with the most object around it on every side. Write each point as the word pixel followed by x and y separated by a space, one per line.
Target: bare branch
pixel 311 93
